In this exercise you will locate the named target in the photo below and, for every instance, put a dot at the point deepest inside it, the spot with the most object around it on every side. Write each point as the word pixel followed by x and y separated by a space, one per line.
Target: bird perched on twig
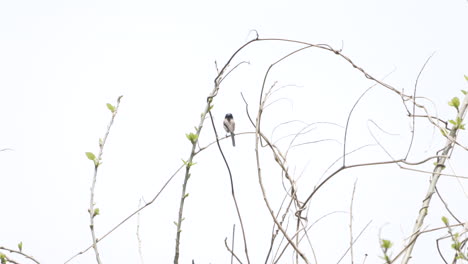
pixel 229 126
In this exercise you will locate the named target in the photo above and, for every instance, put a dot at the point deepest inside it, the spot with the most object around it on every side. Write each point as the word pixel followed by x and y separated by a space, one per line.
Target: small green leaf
pixel 175 223
pixel 90 156
pixel 456 245
pixel 464 92
pixel 455 102
pixel 111 107
pixel 186 195
pixel 190 164
pixel 96 212
pixel 460 256
pixel 457 124
pixel 384 243
pixel 466 77
pixel 192 137
pixel 445 220
pixel 3 258
pixel 20 246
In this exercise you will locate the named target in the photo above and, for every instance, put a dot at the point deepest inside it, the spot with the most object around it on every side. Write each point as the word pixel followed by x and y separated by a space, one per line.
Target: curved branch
pixel 19 253
pixel 232 190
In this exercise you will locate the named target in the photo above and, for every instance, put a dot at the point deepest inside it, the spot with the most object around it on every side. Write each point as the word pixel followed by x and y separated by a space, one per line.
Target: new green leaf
pixel 90 156
pixel 455 102
pixel 445 220
pixel 111 107
pixel 384 243
pixel 192 137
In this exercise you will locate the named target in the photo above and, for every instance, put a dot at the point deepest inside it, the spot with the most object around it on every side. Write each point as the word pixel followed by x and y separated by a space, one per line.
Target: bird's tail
pixel 233 140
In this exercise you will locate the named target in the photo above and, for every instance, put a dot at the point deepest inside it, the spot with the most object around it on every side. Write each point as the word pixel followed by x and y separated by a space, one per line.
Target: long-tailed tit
pixel 229 126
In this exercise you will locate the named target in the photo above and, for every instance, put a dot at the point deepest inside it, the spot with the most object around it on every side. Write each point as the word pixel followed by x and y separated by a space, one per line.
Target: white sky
pixel 62 61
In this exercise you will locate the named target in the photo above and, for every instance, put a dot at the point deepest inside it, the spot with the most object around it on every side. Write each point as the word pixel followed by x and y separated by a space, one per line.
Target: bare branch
pixel 414 106
pixel 232 190
pixel 230 251
pixel 347 122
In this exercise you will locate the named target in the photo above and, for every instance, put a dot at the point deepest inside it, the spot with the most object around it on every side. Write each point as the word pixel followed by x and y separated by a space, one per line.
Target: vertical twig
pixel 349 118
pixel 188 165
pixel 413 127
pixel 351 242
pixel 232 244
pixel 93 212
pixel 140 252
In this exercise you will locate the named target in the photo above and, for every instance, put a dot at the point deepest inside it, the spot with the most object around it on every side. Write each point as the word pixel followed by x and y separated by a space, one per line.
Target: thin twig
pixel 140 252
pixel 232 243
pixel 97 162
pixel 274 232
pixel 230 251
pixel 351 242
pixel 347 122
pixel 232 190
pixel 354 241
pixel 446 206
pixel 19 253
pixel 414 106
pixel 438 248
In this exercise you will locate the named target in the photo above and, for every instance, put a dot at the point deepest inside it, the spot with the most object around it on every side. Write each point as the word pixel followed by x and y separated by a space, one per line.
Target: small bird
pixel 229 126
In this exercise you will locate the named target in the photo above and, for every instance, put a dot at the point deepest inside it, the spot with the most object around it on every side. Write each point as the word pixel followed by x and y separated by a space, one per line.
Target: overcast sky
pixel 62 61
